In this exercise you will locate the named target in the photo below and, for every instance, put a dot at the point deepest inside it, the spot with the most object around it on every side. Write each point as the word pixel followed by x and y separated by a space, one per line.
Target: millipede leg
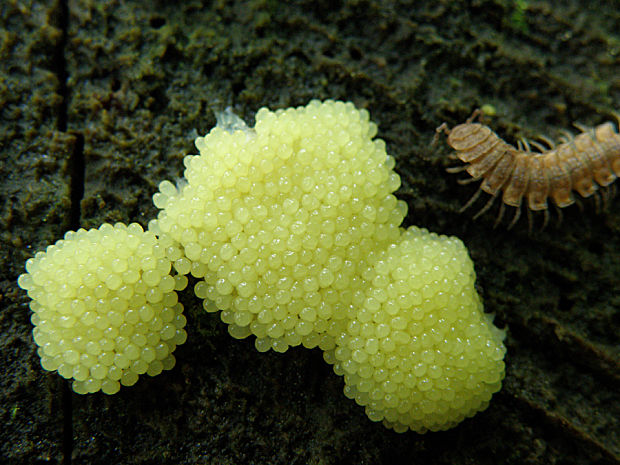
pixel 477 112
pixel 526 144
pixel 470 201
pixel 515 218
pixel 464 181
pixel 597 203
pixel 443 127
pixel 456 169
pixel 486 207
pixel 582 127
pixel 541 148
pixel 560 216
pixel 546 220
pixel 547 141
pixel 498 220
pixel 609 194
pixel 605 197
pixel 579 204
pixel 612 191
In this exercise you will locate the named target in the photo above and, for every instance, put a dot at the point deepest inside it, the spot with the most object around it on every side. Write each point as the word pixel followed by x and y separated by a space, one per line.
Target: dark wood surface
pixel 100 101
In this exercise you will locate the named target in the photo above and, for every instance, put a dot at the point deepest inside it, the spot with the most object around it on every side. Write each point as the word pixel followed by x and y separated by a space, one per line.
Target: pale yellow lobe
pixel 104 307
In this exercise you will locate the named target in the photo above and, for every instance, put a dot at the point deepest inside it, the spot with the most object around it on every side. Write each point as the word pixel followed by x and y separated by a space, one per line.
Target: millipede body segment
pixel 580 163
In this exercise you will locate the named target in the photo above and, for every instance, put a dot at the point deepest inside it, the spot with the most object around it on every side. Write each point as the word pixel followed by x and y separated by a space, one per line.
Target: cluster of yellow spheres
pixel 419 353
pixel 104 307
pixel 293 232
pixel 278 221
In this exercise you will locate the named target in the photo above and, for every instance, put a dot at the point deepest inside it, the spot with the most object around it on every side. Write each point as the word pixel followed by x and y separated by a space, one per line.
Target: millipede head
pixel 467 136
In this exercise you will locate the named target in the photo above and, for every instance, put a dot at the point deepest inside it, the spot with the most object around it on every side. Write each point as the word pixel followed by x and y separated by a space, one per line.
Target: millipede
pixel 581 163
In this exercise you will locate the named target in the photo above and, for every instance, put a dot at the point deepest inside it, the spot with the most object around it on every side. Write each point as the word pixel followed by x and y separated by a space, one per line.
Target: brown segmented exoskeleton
pixel 581 163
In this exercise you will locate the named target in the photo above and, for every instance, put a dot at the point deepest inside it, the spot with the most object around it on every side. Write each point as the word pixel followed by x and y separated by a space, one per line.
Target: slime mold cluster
pixel 292 232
